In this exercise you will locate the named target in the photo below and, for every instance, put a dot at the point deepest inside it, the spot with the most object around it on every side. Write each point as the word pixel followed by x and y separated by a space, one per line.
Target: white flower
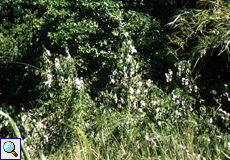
pixel 195 88
pixel 131 97
pixel 28 149
pixel 48 82
pixel 143 103
pixel 183 103
pixel 132 73
pixel 57 64
pixel 115 71
pixel 138 91
pixel 137 66
pixel 210 120
pixel 133 50
pixel 222 117
pixel 126 34
pixel 35 134
pixel 229 146
pixel 48 53
pixel 115 97
pixel 149 82
pixel 174 97
pixel 184 81
pixel 143 115
pixel 39 125
pixel 158 109
pixel 69 56
pixel 178 113
pixel 138 146
pixel 128 58
pixel 48 70
pixel 168 77
pixel 124 68
pixel 46 138
pixel 24 118
pixel 87 124
pixel 159 123
pixel 140 109
pixel 140 84
pixel 112 81
pixel 135 104
pixel 122 100
pixel 79 83
pixel 219 136
pixel 177 101
pixel 131 90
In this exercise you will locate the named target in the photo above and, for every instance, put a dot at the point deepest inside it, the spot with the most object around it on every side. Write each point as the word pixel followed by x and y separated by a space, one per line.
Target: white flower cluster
pixel 79 83
pixel 155 102
pixel 129 57
pixel 184 81
pixel 39 130
pixel 126 34
pixel 149 82
pixel 151 139
pixel 137 94
pixel 175 96
pixel 127 74
pixel 57 63
pixel 112 77
pixel 169 76
pixel 183 67
pixel 131 48
pixel 46 55
pixel 49 80
pixel 61 66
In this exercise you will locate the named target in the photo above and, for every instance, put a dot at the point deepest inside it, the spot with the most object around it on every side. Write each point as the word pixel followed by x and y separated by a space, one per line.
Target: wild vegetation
pixel 129 79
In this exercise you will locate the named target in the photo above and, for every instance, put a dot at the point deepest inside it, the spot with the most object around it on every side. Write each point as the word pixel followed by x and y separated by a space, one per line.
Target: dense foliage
pixel 202 36
pixel 141 79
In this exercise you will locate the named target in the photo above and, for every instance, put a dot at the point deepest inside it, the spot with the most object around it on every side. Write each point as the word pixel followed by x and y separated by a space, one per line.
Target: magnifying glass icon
pixel 9 147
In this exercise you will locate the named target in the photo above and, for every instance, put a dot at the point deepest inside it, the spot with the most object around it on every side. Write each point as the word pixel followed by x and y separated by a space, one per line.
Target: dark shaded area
pixel 215 75
pixel 17 69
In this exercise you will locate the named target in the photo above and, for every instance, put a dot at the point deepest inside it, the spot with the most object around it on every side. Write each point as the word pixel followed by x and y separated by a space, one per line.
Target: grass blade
pixel 83 138
pixel 17 133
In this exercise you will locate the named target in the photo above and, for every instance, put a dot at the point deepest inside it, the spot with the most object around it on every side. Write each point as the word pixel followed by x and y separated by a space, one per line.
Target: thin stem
pixel 26 64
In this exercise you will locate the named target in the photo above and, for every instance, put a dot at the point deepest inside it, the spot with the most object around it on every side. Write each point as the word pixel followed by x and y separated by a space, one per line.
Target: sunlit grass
pixel 179 143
